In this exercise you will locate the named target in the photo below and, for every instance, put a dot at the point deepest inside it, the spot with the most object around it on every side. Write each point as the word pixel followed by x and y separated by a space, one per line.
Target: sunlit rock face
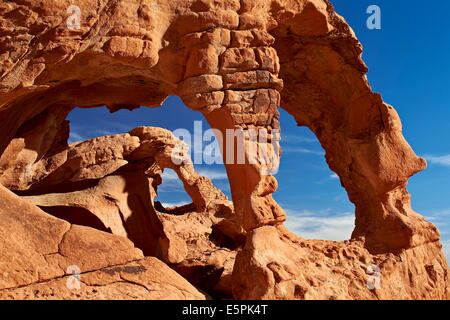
pixel 91 204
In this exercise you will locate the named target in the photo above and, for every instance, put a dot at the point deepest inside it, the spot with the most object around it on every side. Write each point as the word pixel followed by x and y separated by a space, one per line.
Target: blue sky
pixel 409 62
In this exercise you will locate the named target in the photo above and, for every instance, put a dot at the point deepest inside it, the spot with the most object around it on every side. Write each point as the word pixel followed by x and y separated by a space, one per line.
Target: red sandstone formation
pixel 37 250
pixel 235 61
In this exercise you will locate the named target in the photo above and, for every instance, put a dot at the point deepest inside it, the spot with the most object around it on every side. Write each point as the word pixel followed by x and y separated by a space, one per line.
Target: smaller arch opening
pixel 171 196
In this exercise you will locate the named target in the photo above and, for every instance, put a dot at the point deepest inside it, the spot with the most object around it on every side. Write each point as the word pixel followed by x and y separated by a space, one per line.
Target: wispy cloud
pixel 174 204
pixel 334 176
pixel 101 133
pixel 292 138
pixel 446 249
pixel 438 215
pixel 440 219
pixel 440 160
pixel 115 126
pixel 170 182
pixel 443 213
pixel 81 134
pixel 81 131
pixel 303 150
pixel 171 187
pixel 75 137
pixel 292 143
pixel 169 175
pixel 314 225
pixel 213 174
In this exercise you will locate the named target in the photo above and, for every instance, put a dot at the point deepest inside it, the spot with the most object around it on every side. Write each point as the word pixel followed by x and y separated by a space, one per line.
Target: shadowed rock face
pixel 236 61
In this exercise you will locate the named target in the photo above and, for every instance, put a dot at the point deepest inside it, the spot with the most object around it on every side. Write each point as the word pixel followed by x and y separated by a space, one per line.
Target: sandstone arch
pixel 226 59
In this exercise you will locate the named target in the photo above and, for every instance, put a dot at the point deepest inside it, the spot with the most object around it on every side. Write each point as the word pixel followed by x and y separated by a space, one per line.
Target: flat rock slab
pixel 148 279
pixel 39 253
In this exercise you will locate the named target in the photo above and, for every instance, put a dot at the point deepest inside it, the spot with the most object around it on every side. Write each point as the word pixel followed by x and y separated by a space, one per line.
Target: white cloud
pixel 75 137
pixel 169 175
pixel 438 215
pixel 440 219
pixel 313 225
pixel 446 249
pixel 443 213
pixel 88 133
pixel 292 143
pixel 170 182
pixel 213 174
pixel 115 126
pixel 303 150
pixel 171 187
pixel 292 138
pixel 334 176
pixel 174 204
pixel 102 133
pixel 441 160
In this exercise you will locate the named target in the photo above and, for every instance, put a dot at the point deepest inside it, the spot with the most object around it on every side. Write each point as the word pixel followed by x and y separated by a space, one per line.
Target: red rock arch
pixel 224 59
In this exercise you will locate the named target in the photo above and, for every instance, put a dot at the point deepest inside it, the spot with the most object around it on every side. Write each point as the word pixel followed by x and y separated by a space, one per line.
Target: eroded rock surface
pixel 286 266
pixel 146 279
pixel 110 183
pixel 38 252
pixel 235 61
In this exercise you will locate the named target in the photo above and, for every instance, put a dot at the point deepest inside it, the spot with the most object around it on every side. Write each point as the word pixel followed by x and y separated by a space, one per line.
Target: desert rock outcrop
pixel 237 62
pixel 38 251
pixel 110 183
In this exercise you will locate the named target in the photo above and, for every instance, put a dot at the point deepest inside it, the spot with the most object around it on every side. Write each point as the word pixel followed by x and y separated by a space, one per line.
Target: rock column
pixel 232 78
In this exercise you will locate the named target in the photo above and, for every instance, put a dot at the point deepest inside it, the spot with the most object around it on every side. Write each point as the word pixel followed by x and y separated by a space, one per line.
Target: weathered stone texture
pixel 237 62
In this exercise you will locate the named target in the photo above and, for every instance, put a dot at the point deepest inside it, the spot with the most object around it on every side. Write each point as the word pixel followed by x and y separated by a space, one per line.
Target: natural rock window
pixel 316 204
